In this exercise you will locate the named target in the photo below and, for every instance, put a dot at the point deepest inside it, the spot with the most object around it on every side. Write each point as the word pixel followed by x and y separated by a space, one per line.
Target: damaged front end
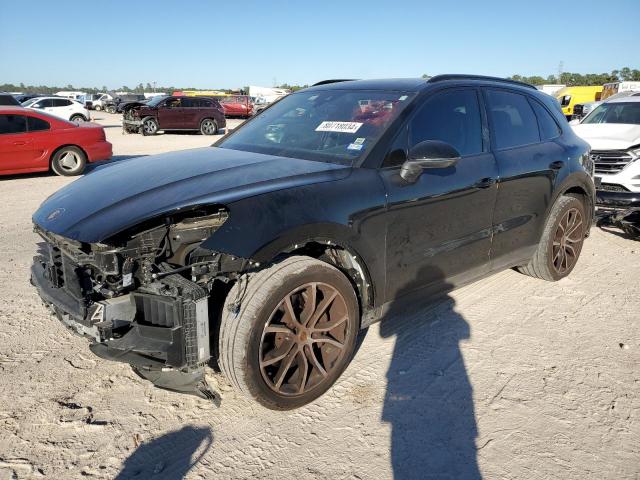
pixel 142 297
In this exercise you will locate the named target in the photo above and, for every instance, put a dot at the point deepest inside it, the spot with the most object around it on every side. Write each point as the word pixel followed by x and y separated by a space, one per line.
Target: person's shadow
pixel 429 401
pixel 168 456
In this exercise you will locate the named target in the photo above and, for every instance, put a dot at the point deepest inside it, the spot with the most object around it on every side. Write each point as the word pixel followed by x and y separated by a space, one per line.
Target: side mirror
pixel 36 105
pixel 428 154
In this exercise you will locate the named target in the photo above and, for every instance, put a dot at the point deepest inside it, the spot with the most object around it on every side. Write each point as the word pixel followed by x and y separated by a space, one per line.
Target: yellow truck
pixel 571 96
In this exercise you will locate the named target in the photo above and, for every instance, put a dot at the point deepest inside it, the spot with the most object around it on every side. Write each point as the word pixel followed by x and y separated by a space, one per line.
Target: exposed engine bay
pixel 143 296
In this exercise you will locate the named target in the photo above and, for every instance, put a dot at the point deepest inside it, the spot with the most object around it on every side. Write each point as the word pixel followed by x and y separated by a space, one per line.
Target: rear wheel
pixel 293 334
pixel 149 126
pixel 97 108
pixel 68 161
pixel 209 127
pixel 561 242
pixel 110 109
pixel 77 118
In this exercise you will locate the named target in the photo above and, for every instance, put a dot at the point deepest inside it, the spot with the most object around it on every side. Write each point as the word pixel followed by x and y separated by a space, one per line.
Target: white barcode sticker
pixel 342 127
pixel 127 279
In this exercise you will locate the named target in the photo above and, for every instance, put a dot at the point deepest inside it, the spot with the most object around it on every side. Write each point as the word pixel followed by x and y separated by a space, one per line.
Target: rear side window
pixel 451 117
pixel 13 124
pixel 189 103
pixel 513 121
pixel 548 127
pixel 46 103
pixel 37 124
pixel 61 102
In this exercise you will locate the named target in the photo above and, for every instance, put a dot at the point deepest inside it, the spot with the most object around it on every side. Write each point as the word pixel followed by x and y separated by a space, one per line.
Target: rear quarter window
pixel 512 119
pixel 37 124
pixel 549 129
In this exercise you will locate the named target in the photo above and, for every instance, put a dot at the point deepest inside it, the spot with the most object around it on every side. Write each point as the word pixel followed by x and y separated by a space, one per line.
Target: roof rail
pixel 441 78
pixel 325 82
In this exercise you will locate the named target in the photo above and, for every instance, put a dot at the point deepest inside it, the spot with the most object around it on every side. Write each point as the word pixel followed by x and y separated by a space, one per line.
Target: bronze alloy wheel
pixel 304 339
pixel 567 241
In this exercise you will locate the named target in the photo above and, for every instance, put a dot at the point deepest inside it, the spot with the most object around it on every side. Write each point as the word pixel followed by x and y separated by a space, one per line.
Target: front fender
pixel 346 212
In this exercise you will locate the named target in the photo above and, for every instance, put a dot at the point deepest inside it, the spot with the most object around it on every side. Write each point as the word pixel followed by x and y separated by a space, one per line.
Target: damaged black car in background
pixel 265 255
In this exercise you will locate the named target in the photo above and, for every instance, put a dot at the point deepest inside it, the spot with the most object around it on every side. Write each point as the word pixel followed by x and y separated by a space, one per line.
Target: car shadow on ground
pixel 429 398
pixel 170 456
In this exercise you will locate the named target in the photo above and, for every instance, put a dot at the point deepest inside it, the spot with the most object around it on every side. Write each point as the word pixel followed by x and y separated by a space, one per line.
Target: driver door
pixel 171 114
pixel 439 227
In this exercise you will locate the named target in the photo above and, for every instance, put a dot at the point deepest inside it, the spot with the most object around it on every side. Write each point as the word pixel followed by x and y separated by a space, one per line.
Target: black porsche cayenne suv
pixel 266 254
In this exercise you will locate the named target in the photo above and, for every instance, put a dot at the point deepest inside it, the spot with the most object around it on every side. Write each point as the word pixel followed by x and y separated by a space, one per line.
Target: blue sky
pixel 207 44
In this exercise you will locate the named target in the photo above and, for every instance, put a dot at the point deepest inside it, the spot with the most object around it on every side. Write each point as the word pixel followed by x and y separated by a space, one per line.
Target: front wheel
pixel 68 161
pixel 292 334
pixel 110 109
pixel 561 242
pixel 149 126
pixel 97 108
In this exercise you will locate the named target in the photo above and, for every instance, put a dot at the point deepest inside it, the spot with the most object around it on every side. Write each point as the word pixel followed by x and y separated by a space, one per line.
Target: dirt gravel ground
pixel 509 378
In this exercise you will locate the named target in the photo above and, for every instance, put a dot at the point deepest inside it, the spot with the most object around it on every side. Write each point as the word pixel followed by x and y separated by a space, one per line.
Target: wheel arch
pixel 332 249
pixel 57 149
pixel 580 185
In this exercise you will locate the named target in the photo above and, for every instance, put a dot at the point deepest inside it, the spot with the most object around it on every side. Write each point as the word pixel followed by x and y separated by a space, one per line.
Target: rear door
pixel 16 145
pixel 528 167
pixel 191 113
pixel 439 227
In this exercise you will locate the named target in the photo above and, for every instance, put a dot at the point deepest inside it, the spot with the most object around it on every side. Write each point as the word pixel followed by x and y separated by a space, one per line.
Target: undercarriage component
pixel 192 383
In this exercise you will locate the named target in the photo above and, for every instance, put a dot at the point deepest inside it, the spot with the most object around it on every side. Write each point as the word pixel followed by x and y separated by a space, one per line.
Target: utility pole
pixel 154 87
pixel 560 68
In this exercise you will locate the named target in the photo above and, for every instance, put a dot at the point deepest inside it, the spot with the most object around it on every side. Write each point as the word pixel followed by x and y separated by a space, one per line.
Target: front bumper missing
pixel 164 355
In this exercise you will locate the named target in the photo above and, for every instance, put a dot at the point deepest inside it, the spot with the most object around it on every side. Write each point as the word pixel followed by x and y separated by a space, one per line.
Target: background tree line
pixel 566 78
pixel 576 79
pixel 140 88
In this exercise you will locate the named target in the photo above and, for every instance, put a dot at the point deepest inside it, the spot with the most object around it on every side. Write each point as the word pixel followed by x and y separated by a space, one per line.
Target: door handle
pixel 485 183
pixel 557 165
pixel 20 142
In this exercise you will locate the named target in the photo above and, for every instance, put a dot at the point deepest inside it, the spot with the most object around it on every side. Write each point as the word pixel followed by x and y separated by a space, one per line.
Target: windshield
pixel 628 113
pixel 155 101
pixel 30 102
pixel 336 126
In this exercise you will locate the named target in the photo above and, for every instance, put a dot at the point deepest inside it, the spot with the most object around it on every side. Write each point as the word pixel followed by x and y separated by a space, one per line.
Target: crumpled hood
pixel 609 136
pixel 120 195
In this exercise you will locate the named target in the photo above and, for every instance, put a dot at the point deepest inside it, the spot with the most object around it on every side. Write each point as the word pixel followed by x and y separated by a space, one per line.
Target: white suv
pixel 64 108
pixel 613 131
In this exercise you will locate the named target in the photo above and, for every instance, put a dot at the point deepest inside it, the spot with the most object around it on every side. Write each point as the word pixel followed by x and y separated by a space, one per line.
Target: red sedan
pixel 236 106
pixel 32 141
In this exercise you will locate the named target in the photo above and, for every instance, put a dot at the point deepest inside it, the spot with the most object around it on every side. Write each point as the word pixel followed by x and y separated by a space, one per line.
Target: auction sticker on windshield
pixel 342 127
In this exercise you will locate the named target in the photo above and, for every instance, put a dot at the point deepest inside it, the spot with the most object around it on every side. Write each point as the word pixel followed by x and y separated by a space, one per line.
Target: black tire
pixel 547 263
pixel 68 161
pixel 149 126
pixel 243 332
pixel 97 108
pixel 209 126
pixel 77 118
pixel 110 109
